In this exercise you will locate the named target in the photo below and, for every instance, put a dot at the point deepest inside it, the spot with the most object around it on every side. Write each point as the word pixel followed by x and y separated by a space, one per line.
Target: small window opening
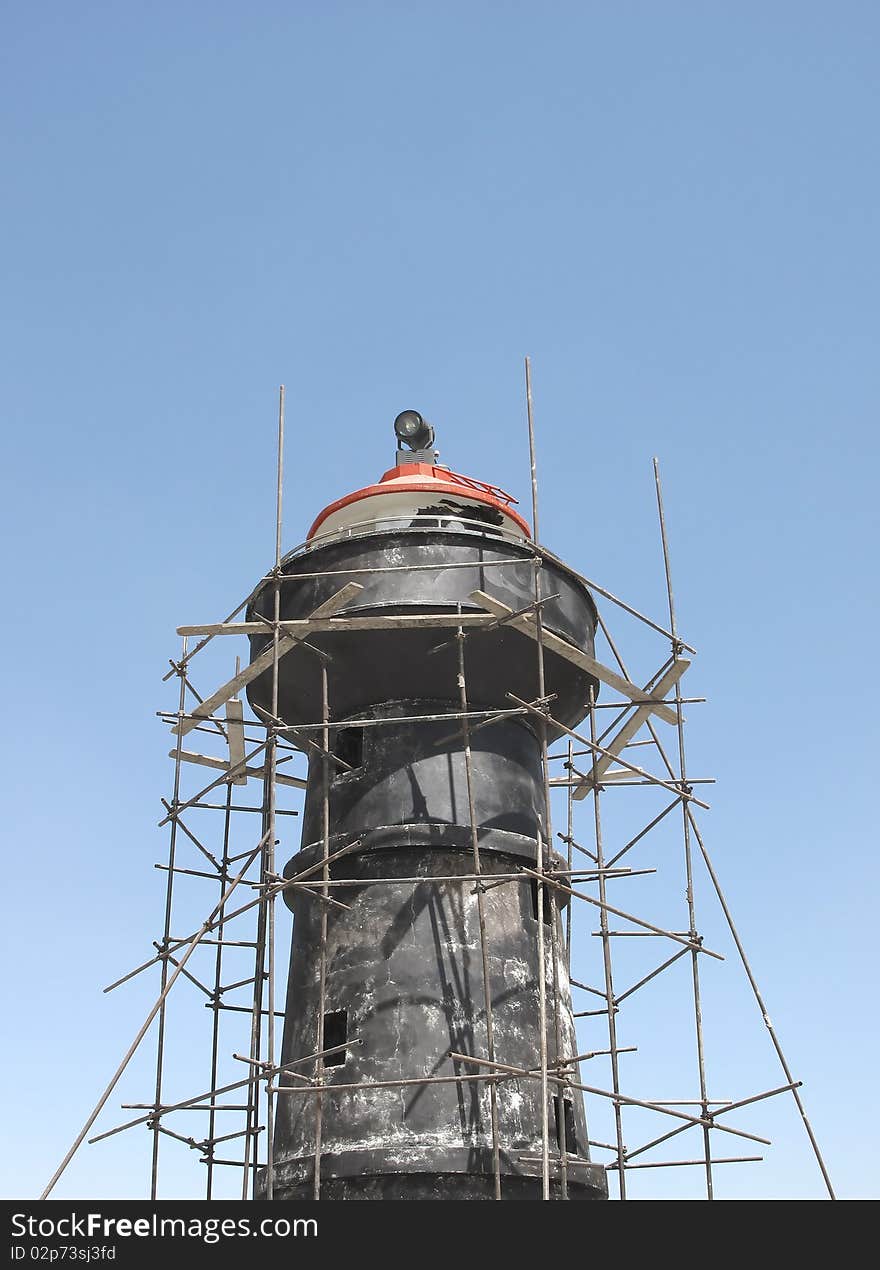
pixel 335 1033
pixel 349 747
pixel 571 1143
pixel 548 902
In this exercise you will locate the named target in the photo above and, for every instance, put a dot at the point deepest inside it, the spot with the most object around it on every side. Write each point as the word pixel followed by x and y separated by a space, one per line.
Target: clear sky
pixel 672 207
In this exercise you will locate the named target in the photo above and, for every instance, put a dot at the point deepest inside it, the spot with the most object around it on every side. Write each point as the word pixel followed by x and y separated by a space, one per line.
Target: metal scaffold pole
pixel 682 776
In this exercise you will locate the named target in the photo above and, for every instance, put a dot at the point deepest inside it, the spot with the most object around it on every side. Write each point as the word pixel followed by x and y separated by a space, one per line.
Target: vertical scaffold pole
pixel 688 855
pixel 544 832
pixel 166 931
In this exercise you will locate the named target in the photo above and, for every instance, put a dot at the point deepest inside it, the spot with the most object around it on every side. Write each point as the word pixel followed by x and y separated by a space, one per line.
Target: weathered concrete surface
pixel 369 667
pixel 404 965
pixel 404 972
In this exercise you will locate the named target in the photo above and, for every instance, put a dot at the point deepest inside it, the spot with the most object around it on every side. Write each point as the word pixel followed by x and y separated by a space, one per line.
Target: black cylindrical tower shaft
pixel 403 967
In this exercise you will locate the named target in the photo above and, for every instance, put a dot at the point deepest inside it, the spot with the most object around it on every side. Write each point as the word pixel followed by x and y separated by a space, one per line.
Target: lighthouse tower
pixel 416 977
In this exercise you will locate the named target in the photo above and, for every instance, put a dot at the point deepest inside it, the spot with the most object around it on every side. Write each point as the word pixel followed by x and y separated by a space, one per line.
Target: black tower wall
pixel 404 975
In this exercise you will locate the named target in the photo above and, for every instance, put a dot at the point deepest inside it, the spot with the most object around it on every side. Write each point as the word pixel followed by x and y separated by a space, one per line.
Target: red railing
pixel 471 482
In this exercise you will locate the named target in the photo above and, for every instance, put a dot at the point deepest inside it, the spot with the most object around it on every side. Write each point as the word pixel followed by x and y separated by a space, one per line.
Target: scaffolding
pixel 229 959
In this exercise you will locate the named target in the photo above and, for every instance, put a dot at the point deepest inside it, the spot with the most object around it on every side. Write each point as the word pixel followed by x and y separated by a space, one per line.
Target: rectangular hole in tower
pixel 349 746
pixel 571 1143
pixel 548 903
pixel 335 1033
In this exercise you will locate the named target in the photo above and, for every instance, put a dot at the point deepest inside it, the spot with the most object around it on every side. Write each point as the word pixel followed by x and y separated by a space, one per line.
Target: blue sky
pixel 672 208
